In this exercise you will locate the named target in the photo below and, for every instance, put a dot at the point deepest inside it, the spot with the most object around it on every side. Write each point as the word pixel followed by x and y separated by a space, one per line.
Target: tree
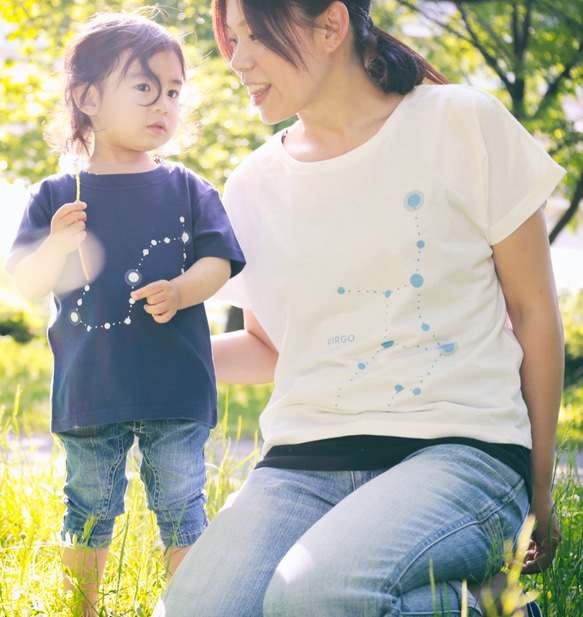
pixel 533 50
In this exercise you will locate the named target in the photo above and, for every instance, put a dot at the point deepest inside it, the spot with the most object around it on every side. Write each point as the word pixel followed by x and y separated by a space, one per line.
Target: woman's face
pixel 277 88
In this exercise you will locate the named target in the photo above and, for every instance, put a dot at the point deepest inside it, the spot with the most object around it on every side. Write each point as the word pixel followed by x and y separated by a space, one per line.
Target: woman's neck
pixel 353 111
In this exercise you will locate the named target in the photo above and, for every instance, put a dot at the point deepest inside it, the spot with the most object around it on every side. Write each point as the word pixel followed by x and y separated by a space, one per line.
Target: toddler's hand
pixel 161 300
pixel 68 226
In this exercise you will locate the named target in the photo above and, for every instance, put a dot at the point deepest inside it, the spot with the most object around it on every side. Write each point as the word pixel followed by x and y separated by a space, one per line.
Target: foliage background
pixel 527 52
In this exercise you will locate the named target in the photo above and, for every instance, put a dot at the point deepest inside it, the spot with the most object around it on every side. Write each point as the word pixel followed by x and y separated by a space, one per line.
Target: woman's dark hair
pixel 94 54
pixel 391 64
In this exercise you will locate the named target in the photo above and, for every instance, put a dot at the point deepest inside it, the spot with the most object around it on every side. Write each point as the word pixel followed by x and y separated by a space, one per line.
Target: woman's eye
pixel 143 87
pixel 173 94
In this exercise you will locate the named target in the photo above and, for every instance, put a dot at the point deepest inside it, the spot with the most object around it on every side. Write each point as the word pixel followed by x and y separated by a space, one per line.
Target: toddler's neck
pixel 103 167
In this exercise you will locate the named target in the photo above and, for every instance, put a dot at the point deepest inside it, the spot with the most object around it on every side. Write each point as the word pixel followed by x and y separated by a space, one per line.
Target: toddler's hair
pixel 93 55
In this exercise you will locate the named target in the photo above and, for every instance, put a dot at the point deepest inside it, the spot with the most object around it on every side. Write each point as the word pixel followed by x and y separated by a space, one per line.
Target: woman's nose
pixel 241 60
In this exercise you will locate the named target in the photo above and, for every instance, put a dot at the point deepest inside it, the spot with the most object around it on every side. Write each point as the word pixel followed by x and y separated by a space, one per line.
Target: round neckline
pixel 125 179
pixel 356 152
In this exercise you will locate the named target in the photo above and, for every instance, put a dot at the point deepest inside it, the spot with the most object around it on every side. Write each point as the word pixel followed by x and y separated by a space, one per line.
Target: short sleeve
pixel 213 234
pixel 520 174
pixel 34 227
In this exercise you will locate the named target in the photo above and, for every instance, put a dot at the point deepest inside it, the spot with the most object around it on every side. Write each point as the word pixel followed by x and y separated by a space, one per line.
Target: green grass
pixel 570 429
pixel 31 510
pixel 31 505
pixel 26 369
pixel 561 586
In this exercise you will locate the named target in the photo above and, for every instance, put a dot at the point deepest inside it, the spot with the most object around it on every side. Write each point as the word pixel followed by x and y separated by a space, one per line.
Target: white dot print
pixel 133 278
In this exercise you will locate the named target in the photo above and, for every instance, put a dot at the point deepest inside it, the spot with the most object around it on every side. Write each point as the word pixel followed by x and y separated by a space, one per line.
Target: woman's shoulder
pixel 259 158
pixel 455 96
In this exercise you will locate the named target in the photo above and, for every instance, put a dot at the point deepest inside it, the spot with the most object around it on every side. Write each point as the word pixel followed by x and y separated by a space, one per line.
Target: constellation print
pixel 437 350
pixel 133 279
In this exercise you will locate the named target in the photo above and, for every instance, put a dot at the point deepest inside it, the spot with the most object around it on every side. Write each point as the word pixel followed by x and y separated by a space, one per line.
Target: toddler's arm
pixel 37 273
pixel 197 284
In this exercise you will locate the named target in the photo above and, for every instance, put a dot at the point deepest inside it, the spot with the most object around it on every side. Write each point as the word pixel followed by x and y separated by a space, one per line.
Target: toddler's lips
pixel 158 128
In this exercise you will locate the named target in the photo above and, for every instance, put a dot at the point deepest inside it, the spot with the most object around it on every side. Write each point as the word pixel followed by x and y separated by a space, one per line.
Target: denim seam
pixel 485 516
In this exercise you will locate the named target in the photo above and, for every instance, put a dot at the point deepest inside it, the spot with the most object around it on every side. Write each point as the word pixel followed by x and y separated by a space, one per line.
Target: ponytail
pixel 392 65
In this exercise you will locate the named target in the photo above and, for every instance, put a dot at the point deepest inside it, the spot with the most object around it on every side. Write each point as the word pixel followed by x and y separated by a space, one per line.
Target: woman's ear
pixel 336 22
pixel 86 99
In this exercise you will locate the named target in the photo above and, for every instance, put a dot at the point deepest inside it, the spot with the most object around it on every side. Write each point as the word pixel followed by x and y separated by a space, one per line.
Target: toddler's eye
pixel 143 87
pixel 173 94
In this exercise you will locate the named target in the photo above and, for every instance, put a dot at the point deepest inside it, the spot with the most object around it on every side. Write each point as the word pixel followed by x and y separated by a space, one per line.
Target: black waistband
pixel 373 452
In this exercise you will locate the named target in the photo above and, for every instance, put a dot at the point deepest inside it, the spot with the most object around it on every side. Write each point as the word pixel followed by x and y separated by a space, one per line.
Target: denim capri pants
pixel 172 469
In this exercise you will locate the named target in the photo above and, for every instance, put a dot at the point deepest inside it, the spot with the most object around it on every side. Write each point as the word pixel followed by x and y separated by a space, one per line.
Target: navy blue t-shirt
pixel 112 361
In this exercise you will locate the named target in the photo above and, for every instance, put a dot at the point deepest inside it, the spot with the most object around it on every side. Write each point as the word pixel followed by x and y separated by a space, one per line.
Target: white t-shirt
pixel 372 273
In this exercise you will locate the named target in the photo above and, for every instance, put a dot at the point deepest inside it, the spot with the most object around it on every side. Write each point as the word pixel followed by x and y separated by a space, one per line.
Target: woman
pixel 388 233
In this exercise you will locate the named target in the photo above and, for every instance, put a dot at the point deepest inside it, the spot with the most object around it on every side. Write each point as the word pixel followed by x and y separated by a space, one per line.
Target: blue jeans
pixel 331 544
pixel 172 469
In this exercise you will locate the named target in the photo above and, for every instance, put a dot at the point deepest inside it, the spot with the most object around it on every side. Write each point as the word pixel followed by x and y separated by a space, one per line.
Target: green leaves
pixel 529 53
pixel 217 133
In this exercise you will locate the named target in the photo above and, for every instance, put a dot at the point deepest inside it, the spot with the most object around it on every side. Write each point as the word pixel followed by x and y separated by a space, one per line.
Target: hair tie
pixel 364 15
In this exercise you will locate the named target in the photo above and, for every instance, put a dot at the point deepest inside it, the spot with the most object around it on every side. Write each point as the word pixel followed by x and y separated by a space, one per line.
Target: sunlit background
pixel 567 250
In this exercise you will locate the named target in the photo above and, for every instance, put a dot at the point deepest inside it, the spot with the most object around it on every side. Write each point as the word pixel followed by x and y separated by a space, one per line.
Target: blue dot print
pixel 416 280
pixel 414 200
pixel 425 345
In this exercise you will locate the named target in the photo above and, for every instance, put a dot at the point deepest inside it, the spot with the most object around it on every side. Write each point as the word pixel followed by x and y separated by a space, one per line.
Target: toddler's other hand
pixel 161 300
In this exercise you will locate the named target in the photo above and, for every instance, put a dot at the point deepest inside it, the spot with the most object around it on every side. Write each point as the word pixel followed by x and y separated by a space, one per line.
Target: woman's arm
pixel 524 268
pixel 245 356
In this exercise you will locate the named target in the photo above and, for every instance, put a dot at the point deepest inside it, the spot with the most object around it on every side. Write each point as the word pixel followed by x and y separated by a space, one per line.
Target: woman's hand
pixel 546 536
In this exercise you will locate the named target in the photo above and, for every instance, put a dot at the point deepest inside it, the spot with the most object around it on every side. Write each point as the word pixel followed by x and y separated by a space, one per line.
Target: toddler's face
pixel 131 112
